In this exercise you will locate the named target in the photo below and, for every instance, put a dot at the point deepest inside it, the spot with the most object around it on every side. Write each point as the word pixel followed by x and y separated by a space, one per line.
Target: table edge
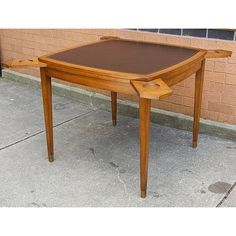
pixel 77 69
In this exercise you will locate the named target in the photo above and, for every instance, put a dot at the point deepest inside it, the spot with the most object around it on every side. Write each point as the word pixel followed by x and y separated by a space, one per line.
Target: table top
pixel 125 56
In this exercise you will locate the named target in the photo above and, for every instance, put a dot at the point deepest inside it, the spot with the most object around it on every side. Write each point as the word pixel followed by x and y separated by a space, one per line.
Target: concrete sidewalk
pixel 97 164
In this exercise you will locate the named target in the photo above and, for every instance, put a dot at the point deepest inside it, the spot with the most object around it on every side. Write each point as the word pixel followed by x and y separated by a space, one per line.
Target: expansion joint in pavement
pixel 226 195
pixel 42 131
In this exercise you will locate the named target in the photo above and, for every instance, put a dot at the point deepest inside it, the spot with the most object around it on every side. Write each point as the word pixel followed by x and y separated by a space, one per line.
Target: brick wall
pixel 219 98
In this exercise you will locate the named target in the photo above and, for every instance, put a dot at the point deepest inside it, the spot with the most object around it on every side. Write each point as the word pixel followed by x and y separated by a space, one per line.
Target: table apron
pixel 174 77
pixel 93 82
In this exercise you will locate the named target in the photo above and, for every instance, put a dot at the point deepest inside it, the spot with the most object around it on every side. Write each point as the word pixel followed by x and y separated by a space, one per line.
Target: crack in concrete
pixel 117 168
pixel 123 183
pixel 226 195
pixel 42 131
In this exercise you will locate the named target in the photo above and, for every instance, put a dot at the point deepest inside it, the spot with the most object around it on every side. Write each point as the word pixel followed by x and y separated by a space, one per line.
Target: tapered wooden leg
pixel 144 124
pixel 47 105
pixel 114 107
pixel 199 78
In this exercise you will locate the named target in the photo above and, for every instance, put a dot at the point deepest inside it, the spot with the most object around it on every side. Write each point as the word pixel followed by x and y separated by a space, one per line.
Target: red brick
pixel 16 48
pixel 231 60
pixel 226 45
pixel 188 111
pixel 216 87
pixel 204 104
pixel 189 83
pixel 229 90
pixel 28 51
pixel 164 105
pixel 189 92
pixel 203 43
pixel 189 102
pixel 206 85
pixel 229 100
pixel 215 76
pixel 222 60
pixel 230 79
pixel 39 39
pixel 231 69
pixel 227 118
pixel 153 37
pixel 175 99
pixel 221 108
pixel 178 90
pixel 178 40
pixel 219 66
pixel 211 97
pixel 209 65
pixel 177 108
pixel 33 45
pixel 210 115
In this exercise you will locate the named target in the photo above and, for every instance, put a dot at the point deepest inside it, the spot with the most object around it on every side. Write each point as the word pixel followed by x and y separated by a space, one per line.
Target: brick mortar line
pixel 226 195
pixel 42 131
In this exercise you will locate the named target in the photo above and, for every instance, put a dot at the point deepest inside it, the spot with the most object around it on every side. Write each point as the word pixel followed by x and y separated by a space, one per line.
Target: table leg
pixel 199 78
pixel 144 124
pixel 47 105
pixel 114 107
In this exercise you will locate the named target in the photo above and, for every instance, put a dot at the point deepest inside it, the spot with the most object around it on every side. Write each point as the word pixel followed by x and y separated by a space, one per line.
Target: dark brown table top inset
pixel 125 56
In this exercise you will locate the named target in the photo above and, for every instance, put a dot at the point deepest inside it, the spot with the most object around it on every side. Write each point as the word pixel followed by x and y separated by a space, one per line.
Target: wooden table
pixel 145 69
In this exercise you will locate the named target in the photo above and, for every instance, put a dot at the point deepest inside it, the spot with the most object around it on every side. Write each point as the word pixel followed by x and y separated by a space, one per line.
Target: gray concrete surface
pixel 97 164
